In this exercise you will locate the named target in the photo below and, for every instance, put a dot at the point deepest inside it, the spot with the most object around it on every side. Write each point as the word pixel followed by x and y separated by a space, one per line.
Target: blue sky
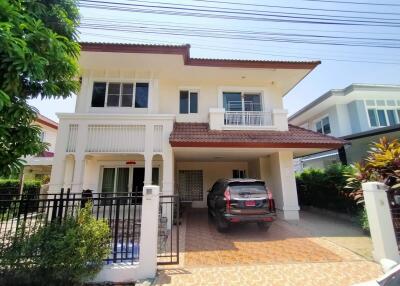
pixel 341 65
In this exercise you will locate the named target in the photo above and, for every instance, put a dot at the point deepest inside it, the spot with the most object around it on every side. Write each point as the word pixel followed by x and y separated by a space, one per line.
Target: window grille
pixel 191 185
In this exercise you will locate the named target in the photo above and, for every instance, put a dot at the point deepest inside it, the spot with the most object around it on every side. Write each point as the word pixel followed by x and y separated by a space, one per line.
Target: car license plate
pixel 250 203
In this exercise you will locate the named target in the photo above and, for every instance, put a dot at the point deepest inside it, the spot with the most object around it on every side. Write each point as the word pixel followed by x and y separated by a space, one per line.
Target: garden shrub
pixel 59 253
pixel 9 188
pixel 325 189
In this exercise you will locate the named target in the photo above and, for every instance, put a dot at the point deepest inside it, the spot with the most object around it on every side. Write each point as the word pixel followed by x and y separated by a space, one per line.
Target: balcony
pixel 115 133
pixel 248 118
pixel 276 119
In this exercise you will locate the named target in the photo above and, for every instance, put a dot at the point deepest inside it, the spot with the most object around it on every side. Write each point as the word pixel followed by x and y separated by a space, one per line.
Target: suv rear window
pixel 253 188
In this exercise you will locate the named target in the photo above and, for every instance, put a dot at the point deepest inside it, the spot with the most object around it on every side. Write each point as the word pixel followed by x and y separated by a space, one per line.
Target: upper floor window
pixel 242 101
pixel 323 126
pixel 383 112
pixel 188 101
pixel 117 94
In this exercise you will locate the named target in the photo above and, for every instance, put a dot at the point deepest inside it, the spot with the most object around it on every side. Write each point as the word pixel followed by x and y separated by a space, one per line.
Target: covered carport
pixel 202 156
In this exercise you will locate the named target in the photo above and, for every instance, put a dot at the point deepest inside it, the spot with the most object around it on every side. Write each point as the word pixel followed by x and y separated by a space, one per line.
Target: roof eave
pixel 255 145
pixel 184 50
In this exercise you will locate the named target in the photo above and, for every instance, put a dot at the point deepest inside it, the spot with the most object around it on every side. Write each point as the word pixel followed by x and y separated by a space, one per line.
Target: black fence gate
pixel 168 230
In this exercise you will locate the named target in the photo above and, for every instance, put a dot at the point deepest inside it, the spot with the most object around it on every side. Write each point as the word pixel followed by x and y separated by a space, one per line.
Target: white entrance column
pixel 168 173
pixel 59 159
pixel 79 168
pixel 380 221
pixel 280 177
pixel 148 169
pixel 148 154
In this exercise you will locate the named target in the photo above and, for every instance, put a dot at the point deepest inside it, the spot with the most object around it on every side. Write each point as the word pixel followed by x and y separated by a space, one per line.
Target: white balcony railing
pixel 274 119
pixel 248 118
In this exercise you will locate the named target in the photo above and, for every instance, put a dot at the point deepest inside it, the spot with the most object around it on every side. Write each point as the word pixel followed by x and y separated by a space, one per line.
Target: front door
pixel 138 182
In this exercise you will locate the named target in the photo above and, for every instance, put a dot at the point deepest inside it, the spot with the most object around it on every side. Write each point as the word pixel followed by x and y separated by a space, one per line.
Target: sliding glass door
pixel 122 180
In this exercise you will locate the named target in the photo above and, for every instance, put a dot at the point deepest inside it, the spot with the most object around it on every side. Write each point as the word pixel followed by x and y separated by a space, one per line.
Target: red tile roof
pixel 200 135
pixel 46 121
pixel 184 50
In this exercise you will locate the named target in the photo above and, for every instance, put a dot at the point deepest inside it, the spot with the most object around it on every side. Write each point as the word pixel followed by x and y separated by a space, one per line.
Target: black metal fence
pixel 168 230
pixel 122 211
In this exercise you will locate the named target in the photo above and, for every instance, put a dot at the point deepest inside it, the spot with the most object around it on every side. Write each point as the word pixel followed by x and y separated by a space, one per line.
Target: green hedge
pixel 8 184
pixel 325 189
pixel 9 189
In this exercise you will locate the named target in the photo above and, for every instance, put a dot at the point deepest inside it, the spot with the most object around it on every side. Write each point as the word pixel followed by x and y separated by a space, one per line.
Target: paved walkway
pixel 308 253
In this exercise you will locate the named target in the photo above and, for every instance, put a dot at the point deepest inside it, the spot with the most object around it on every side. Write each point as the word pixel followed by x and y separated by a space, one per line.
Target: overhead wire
pixel 302 37
pixel 224 14
pixel 251 51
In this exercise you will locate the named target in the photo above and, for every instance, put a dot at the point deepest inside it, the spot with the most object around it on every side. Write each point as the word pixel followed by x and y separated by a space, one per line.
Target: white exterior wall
pixel 164 94
pixel 212 171
pixel 277 171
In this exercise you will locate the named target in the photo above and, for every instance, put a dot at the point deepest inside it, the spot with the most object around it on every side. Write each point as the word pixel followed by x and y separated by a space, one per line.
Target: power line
pixel 210 13
pixel 297 8
pixel 355 3
pixel 280 37
pixel 229 31
pixel 259 12
pixel 269 29
pixel 291 47
pixel 250 51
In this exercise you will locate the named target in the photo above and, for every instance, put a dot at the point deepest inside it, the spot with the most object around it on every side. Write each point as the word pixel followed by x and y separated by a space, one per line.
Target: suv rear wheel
pixel 222 224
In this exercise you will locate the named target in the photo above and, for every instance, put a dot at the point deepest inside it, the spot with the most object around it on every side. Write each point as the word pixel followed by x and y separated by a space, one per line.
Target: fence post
pixel 149 232
pixel 380 221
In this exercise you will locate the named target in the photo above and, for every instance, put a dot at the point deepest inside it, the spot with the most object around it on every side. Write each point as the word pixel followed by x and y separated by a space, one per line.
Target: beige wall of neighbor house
pixel 49 135
pixel 38 167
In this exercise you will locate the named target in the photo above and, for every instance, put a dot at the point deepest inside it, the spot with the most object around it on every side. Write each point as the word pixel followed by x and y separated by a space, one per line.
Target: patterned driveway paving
pixel 284 255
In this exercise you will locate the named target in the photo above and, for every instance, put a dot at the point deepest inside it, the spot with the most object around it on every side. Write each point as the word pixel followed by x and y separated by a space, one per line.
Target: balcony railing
pixel 248 118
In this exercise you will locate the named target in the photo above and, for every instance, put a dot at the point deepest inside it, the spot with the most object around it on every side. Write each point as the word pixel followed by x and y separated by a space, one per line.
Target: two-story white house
pixel 39 166
pixel 151 114
pixel 359 114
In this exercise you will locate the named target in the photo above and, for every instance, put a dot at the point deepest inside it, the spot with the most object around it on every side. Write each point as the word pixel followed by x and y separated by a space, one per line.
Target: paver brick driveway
pixel 246 244
pixel 284 255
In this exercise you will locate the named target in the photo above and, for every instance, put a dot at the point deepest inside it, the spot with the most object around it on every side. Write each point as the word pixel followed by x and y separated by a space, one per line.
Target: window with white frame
pixel 242 101
pixel 188 101
pixel 120 94
pixel 323 125
pixel 383 112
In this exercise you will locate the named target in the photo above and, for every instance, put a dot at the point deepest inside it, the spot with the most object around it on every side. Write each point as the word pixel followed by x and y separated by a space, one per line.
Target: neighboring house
pixel 36 167
pixel 359 113
pixel 151 114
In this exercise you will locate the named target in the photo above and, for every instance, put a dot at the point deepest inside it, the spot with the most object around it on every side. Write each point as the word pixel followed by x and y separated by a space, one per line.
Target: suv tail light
pixel 227 196
pixel 271 201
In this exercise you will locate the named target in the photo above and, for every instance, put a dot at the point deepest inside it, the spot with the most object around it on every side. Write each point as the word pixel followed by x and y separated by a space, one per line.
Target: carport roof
pixel 200 135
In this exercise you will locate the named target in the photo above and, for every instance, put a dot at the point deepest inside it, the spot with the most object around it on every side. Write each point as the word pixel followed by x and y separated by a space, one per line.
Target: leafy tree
pixel 38 58
pixel 381 163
